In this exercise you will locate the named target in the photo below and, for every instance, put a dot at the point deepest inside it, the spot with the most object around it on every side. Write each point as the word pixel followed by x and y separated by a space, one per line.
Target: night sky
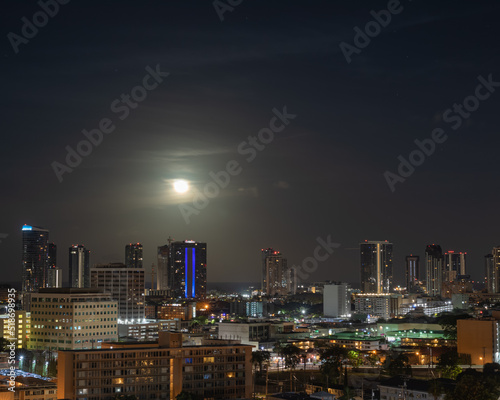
pixel 321 175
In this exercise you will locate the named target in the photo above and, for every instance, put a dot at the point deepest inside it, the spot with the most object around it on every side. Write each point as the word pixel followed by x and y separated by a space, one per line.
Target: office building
pixel 277 275
pixel 490 274
pixel 126 285
pixel 35 258
pixel 79 266
pixel 376 266
pixel 412 272
pixel 453 265
pixel 68 318
pixel 337 300
pixel 215 370
pixel 433 269
pixel 188 269
pixel 133 255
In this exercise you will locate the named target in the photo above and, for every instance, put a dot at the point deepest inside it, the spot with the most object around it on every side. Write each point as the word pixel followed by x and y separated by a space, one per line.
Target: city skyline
pixel 340 124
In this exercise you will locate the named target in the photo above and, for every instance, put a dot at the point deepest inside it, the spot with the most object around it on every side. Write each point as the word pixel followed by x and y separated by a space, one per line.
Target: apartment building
pixel 157 370
pixel 71 318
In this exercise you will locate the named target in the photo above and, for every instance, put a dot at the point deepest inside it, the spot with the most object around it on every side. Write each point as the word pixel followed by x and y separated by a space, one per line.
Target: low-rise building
pixel 148 330
pixel 22 328
pixel 356 341
pixel 382 305
pixel 159 370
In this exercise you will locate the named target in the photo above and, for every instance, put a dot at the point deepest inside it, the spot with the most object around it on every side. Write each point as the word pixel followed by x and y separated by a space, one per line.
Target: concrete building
pixel 159 370
pixel 426 306
pixel 65 319
pixel 126 285
pixel 378 305
pixel 490 274
pixel 480 338
pixel 453 265
pixel 34 259
pixel 148 330
pixel 253 332
pixel 336 300
pixel 133 255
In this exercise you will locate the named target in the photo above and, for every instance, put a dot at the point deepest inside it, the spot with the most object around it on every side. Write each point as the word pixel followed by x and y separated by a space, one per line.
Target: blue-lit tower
pixel 188 269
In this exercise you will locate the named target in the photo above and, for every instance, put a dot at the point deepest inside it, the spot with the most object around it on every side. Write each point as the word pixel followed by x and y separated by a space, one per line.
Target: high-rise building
pixel 376 266
pixel 126 285
pixel 412 272
pixel 51 265
pixel 163 270
pixel 35 258
pixel 188 269
pixel 433 269
pixel 133 255
pixel 277 275
pixel 264 253
pixel 453 265
pixel 79 266
pixel 490 274
pixel 495 270
pixel 336 300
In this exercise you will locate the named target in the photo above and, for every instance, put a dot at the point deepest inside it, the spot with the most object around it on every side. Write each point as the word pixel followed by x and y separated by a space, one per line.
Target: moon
pixel 181 186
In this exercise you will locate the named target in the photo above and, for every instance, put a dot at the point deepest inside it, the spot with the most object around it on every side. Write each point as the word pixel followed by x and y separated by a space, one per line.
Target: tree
pixel 397 364
pixel 291 354
pixel 473 385
pixel 449 324
pixel 332 358
pixel 260 357
pixel 354 359
pixel 186 396
pixel 448 364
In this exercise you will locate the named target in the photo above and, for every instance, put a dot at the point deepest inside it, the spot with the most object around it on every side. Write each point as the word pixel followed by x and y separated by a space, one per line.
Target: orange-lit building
pixel 480 339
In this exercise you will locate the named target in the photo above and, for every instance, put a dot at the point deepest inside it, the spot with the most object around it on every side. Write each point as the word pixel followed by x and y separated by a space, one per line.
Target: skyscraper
pixel 412 272
pixel 79 266
pixel 490 273
pixel 35 258
pixel 453 265
pixel 277 274
pixel 433 269
pixel 376 266
pixel 54 274
pixel 264 253
pixel 133 255
pixel 187 264
pixel 162 282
